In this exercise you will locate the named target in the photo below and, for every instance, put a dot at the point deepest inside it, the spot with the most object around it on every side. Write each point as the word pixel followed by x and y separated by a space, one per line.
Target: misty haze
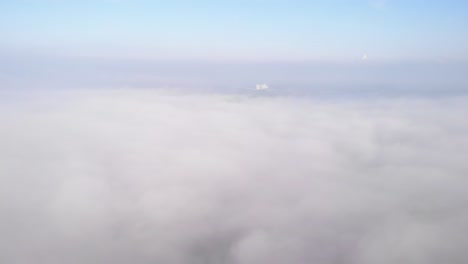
pixel 235 132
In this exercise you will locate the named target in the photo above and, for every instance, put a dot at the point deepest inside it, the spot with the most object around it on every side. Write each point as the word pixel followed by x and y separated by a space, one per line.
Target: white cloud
pixel 147 177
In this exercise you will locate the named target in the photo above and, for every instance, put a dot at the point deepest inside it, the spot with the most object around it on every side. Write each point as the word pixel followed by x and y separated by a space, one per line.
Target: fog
pixel 299 78
pixel 152 176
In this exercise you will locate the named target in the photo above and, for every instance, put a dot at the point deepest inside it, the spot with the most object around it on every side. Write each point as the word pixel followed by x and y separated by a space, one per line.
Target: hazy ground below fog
pixel 358 79
pixel 148 176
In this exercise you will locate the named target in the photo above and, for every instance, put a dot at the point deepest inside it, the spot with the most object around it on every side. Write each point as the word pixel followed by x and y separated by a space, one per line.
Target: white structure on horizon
pixel 259 87
pixel 364 57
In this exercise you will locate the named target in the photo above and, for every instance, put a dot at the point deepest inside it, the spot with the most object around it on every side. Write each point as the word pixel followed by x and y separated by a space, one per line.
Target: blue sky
pixel 241 30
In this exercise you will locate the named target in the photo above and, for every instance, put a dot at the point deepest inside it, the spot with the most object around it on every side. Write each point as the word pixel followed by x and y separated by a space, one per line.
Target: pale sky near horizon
pixel 241 30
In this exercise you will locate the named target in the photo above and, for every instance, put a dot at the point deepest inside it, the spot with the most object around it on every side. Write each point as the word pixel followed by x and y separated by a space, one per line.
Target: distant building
pixel 261 87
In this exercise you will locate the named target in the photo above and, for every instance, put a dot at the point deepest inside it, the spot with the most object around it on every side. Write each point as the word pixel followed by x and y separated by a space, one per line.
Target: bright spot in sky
pixel 364 57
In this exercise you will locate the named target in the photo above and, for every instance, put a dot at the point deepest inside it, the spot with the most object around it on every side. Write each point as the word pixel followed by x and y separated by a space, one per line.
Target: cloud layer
pixel 149 177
